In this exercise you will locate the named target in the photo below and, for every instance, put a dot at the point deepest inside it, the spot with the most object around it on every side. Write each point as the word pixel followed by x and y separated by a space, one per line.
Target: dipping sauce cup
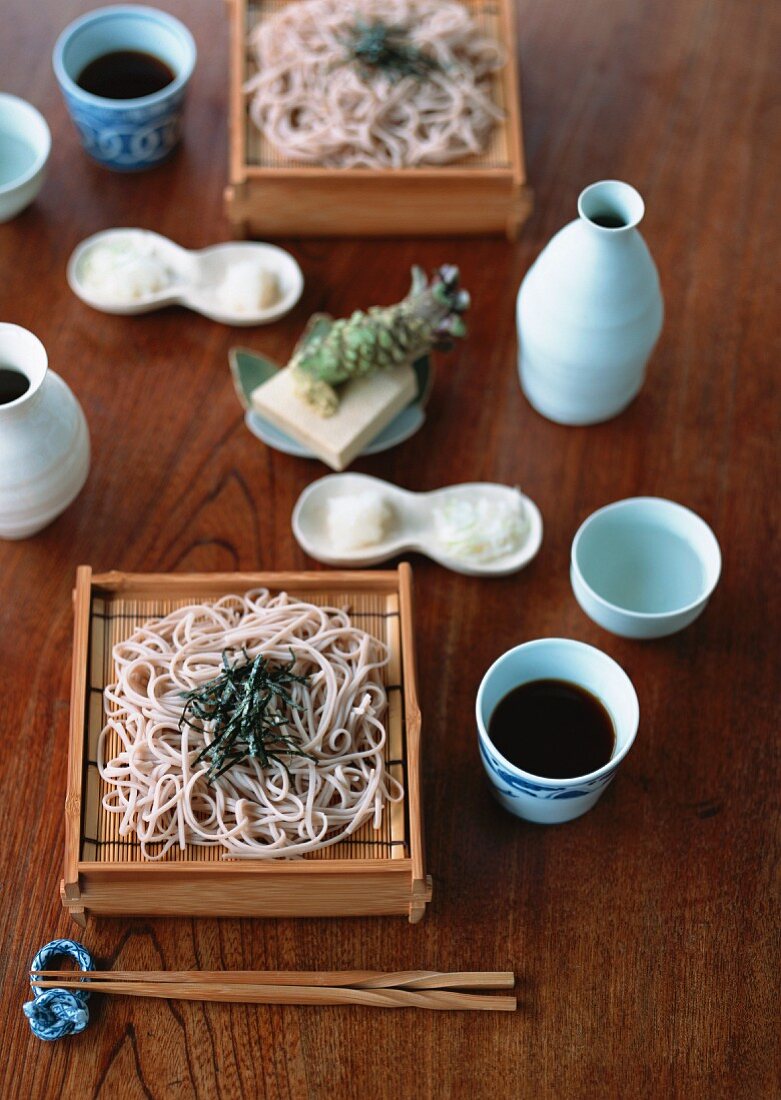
pixel 533 797
pixel 126 134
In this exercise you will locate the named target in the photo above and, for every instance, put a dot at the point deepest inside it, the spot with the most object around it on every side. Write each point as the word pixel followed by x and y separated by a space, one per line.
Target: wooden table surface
pixel 645 935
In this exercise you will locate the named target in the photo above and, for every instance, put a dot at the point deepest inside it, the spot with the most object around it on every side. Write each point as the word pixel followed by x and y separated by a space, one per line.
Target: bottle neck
pixel 21 407
pixel 611 208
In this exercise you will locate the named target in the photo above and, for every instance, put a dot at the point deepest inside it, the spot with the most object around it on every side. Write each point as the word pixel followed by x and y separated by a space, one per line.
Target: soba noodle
pixel 285 809
pixel 316 106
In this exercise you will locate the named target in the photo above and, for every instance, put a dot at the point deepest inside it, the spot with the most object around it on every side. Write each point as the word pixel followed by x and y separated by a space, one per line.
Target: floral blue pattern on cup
pixel 509 784
pixel 137 138
pixel 126 134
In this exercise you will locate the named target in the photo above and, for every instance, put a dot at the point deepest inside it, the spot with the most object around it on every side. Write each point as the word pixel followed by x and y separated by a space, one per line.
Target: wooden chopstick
pixel 237 993
pixel 355 979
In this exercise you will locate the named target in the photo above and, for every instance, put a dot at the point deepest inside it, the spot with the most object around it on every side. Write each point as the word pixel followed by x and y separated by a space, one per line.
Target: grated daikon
pixel 123 270
pixel 481 528
pixel 248 286
pixel 360 519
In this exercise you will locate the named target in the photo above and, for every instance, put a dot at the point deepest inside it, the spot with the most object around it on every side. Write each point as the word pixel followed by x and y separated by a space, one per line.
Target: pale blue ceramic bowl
pixel 25 143
pixel 126 134
pixel 644 567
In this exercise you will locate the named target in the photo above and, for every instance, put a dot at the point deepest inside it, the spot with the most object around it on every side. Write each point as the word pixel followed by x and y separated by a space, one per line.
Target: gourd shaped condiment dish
pixel 195 276
pixel 412 524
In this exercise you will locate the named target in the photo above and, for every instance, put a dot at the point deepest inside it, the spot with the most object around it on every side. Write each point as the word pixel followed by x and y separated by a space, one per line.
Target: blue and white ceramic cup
pixel 126 134
pixel 551 801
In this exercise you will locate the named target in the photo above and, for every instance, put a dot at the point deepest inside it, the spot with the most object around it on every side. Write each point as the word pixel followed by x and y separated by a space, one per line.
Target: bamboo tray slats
pixel 260 154
pixel 271 195
pixel 108 608
pixel 116 618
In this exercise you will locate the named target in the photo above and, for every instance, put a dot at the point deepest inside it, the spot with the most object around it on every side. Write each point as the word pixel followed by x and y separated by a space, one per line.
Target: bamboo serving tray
pixel 372 873
pixel 269 196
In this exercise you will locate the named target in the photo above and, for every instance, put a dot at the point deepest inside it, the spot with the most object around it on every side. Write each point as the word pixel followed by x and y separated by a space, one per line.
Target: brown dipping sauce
pixel 553 729
pixel 125 74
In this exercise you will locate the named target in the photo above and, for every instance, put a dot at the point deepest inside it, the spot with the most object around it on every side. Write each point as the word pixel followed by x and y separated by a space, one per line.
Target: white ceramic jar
pixel 590 311
pixel 44 440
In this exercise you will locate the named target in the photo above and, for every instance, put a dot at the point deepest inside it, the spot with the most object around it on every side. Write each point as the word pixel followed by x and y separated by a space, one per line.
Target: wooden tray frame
pixel 334 886
pixel 484 197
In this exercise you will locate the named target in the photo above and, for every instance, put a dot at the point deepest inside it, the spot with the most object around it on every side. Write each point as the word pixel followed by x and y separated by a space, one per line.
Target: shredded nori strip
pixel 376 47
pixel 248 709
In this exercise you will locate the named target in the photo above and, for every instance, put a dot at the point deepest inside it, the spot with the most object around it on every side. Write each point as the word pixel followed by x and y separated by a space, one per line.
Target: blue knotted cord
pixel 55 1013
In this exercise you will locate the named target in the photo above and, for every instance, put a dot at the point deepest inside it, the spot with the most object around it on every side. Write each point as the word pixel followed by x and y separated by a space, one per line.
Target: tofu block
pixel 367 405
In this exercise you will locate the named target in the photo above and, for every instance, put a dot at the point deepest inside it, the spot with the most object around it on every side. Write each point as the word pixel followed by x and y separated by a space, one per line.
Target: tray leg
pixel 421 895
pixel 239 225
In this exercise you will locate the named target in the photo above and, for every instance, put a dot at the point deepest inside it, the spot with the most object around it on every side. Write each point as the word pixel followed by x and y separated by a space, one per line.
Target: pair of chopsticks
pixel 402 989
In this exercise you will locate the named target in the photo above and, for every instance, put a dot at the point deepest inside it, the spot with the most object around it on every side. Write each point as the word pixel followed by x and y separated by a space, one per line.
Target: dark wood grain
pixel 645 935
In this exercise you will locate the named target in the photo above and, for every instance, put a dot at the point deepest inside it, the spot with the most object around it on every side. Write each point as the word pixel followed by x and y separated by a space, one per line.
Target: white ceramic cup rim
pixel 33 366
pixel 42 148
pixel 575 780
pixel 613 197
pixel 98 14
pixel 709 582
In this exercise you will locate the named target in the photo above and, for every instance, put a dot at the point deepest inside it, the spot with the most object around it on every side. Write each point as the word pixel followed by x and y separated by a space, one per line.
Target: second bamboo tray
pixel 268 196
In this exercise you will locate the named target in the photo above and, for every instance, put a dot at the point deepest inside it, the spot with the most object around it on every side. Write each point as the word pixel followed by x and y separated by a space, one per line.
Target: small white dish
pixel 533 797
pixel 25 144
pixel 411 524
pixel 644 567
pixel 195 277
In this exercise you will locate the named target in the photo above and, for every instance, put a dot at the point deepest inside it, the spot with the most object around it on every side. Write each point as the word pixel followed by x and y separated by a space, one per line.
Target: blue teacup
pixel 126 134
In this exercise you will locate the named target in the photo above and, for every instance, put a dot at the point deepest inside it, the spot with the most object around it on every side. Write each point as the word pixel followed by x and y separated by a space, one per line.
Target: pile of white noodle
pixel 160 792
pixel 315 105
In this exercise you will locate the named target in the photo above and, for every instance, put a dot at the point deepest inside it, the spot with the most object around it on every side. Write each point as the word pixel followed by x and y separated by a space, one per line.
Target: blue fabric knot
pixel 55 1013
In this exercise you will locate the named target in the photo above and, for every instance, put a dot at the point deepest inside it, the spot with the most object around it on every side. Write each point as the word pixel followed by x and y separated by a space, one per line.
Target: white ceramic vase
pixel 590 311
pixel 44 440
